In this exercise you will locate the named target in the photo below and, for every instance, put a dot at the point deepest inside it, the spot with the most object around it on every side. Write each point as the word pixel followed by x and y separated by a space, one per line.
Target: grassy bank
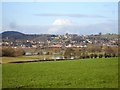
pixel 22 58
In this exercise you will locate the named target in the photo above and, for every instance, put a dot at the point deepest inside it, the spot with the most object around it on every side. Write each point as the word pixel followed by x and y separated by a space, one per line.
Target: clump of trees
pixel 94 48
pixel 92 51
pixel 69 52
pixel 12 52
pixel 110 51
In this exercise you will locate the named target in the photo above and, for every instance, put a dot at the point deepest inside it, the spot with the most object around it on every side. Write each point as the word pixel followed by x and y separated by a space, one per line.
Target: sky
pixel 60 17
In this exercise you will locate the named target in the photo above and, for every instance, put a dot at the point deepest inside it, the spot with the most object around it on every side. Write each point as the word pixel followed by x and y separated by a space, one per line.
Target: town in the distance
pixel 59 47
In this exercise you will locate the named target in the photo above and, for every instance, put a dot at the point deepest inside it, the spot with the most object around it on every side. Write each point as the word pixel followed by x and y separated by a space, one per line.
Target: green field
pixel 83 73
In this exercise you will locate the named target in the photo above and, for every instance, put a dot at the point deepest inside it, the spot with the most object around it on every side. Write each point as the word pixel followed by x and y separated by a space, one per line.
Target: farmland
pixel 83 73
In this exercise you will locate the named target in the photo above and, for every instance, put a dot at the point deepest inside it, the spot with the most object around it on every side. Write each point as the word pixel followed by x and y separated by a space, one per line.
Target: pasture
pixel 83 73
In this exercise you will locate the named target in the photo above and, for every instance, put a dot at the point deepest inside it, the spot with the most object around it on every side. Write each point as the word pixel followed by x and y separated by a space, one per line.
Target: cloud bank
pixel 71 15
pixel 108 27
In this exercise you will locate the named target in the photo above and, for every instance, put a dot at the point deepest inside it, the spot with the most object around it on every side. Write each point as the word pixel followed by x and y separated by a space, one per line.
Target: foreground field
pixel 84 73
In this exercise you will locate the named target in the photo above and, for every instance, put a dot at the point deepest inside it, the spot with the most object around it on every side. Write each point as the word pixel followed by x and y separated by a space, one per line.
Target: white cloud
pixel 59 26
pixel 62 22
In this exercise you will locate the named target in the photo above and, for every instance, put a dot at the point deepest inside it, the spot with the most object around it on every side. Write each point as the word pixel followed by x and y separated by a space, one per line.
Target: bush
pixel 107 55
pixel 19 52
pixel 12 52
pixel 100 55
pixel 91 55
pixel 83 56
pixel 69 52
pixel 95 55
pixel 8 51
pixel 87 56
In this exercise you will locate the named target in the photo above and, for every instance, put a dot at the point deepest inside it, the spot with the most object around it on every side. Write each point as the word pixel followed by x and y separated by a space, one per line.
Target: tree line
pixel 91 51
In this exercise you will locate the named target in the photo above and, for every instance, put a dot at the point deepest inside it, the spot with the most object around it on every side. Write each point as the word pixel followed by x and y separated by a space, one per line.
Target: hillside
pixel 15 35
pixel 12 35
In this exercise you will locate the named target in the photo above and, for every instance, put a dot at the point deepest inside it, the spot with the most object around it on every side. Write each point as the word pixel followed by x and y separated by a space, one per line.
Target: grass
pixel 22 58
pixel 84 73
pixel 1 76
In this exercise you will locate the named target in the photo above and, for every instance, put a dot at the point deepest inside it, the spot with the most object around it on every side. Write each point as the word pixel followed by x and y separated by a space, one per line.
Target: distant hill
pixel 15 35
pixel 12 35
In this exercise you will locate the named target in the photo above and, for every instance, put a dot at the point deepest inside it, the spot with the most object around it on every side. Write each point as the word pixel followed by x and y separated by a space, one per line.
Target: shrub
pixel 95 55
pixel 8 51
pixel 19 52
pixel 12 52
pixel 106 55
pixel 83 56
pixel 91 55
pixel 100 55
pixel 69 52
pixel 86 56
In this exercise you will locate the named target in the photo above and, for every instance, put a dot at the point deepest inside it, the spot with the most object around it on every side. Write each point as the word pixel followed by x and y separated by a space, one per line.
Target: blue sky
pixel 45 17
